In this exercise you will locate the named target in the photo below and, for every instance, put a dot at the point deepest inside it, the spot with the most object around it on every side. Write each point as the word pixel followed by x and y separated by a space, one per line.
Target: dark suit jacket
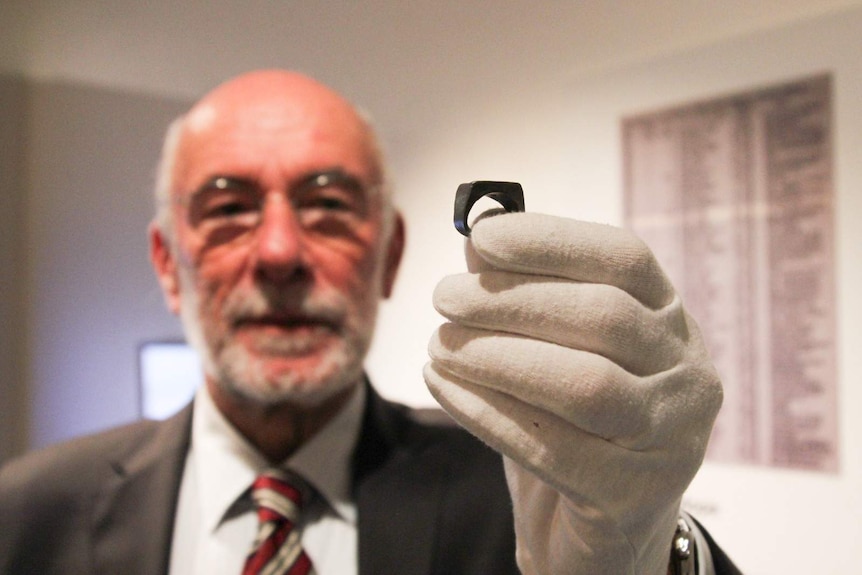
pixel 431 500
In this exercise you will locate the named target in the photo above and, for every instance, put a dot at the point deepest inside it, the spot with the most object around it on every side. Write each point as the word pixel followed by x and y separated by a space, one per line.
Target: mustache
pixel 261 303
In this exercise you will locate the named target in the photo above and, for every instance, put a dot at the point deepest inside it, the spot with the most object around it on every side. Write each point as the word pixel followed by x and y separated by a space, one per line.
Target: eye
pixel 328 200
pixel 226 205
pixel 224 201
pixel 331 193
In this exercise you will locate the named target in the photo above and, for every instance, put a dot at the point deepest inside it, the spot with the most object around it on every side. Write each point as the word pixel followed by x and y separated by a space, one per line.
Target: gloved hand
pixel 569 352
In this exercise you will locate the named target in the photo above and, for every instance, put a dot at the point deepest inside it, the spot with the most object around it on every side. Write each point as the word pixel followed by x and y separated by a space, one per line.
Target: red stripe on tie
pixel 280 487
pixel 302 565
pixel 281 527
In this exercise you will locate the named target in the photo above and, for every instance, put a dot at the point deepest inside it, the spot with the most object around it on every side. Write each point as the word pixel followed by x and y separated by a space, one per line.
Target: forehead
pixel 279 134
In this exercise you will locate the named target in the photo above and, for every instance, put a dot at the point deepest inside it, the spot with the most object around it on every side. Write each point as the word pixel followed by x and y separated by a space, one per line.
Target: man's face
pixel 278 249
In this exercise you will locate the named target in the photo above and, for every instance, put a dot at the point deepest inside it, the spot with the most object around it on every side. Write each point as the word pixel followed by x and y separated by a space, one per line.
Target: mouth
pixel 285 333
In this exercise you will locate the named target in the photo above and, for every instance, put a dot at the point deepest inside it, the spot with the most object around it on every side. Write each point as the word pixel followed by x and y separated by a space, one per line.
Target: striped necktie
pixel 277 549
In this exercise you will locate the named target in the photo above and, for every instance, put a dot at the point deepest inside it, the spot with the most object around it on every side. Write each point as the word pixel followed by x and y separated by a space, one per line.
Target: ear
pixel 393 254
pixel 165 266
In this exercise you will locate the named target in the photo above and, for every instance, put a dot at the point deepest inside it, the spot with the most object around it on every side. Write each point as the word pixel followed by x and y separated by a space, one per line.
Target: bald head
pixel 264 104
pixel 262 95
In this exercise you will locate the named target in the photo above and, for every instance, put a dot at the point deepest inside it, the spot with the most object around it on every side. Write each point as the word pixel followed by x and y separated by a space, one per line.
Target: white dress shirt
pixel 216 521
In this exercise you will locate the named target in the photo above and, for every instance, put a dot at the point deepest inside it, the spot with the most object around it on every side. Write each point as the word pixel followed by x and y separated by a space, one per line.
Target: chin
pixel 306 394
pixel 306 382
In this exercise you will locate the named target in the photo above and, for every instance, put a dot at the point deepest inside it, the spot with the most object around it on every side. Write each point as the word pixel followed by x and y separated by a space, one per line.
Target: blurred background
pixel 508 90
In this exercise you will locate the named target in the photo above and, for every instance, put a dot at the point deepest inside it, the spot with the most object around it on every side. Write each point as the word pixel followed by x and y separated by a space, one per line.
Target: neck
pixel 277 430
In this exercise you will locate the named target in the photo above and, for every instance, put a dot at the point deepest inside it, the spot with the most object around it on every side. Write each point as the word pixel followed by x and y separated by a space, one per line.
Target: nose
pixel 279 250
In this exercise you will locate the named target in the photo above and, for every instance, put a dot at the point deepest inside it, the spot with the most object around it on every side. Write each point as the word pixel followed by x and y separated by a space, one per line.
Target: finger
pixel 542 442
pixel 585 389
pixel 598 318
pixel 573 249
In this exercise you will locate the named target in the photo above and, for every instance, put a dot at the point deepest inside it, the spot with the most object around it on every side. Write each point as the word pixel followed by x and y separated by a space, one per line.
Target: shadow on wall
pixel 13 107
pixel 81 160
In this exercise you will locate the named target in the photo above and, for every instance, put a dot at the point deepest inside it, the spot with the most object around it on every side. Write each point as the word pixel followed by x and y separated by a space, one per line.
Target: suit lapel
pixel 398 499
pixel 398 496
pixel 134 514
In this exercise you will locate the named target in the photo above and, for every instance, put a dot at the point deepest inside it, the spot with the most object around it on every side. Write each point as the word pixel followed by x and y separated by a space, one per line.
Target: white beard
pixel 230 364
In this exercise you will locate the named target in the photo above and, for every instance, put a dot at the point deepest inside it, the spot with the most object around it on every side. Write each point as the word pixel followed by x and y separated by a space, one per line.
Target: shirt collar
pixel 227 464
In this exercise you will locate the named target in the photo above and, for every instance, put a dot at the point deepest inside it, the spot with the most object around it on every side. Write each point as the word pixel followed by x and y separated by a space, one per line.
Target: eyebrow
pixel 330 176
pixel 220 182
pixel 320 178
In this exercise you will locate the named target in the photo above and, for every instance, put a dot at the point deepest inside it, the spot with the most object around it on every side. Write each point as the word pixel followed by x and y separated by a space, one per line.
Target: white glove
pixel 570 353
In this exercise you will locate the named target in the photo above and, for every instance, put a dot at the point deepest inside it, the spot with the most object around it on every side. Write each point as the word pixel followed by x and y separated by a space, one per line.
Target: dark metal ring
pixel 510 195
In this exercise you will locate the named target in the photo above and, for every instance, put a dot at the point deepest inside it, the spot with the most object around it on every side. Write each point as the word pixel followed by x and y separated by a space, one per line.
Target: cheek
pixel 216 276
pixel 354 270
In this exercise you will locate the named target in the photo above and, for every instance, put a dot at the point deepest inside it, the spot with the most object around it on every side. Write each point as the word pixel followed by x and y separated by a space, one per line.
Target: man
pixel 275 239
